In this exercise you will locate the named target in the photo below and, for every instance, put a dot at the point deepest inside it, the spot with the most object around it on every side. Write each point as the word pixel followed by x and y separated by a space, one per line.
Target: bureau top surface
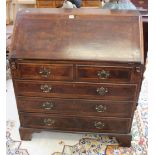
pixel 78 34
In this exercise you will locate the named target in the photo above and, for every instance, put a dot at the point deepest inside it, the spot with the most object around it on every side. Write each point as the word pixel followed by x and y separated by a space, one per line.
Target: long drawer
pixel 75 107
pixel 46 71
pixel 76 90
pixel 84 124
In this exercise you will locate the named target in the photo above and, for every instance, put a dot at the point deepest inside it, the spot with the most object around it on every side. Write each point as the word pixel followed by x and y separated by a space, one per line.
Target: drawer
pixel 76 90
pixel 38 71
pixel 103 74
pixel 75 107
pixel 80 124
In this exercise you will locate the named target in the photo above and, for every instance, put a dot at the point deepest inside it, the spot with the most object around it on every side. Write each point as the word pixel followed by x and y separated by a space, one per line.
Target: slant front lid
pixel 78 34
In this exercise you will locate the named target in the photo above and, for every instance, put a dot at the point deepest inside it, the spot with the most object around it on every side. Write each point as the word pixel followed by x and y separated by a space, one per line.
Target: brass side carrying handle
pixel 48 105
pixel 99 125
pixel 102 91
pixel 101 108
pixel 44 72
pixel 103 74
pixel 49 122
pixel 45 88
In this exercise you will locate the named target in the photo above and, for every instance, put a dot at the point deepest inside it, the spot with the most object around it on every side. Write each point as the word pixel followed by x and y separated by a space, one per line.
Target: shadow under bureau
pixel 77 70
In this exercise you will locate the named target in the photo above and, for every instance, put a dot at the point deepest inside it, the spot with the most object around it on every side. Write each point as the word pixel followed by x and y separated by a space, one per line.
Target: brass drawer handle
pixel 44 72
pixel 48 105
pixel 102 91
pixel 45 88
pixel 101 108
pixel 103 74
pixel 49 122
pixel 99 125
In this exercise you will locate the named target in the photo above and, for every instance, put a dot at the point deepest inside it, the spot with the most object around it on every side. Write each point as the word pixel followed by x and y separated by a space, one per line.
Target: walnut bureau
pixel 77 70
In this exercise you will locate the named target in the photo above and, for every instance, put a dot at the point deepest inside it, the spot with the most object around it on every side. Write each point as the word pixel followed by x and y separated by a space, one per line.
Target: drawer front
pixel 103 74
pixel 75 107
pixel 76 90
pixel 45 71
pixel 81 124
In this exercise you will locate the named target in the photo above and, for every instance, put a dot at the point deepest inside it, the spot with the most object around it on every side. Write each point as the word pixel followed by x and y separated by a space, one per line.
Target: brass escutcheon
pixel 45 88
pixel 44 72
pixel 102 91
pixel 103 74
pixel 49 121
pixel 99 125
pixel 101 108
pixel 48 105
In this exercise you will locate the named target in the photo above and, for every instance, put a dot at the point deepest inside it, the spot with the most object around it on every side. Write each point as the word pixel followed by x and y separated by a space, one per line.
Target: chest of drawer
pixel 38 71
pixel 84 124
pixel 104 73
pixel 75 107
pixel 76 90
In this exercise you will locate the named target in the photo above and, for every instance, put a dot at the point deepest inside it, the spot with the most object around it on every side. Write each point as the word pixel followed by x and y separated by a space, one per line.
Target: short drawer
pixel 80 124
pixel 37 71
pixel 75 107
pixel 76 90
pixel 104 74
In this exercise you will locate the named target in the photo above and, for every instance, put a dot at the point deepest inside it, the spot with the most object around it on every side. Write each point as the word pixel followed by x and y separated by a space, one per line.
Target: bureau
pixel 77 70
